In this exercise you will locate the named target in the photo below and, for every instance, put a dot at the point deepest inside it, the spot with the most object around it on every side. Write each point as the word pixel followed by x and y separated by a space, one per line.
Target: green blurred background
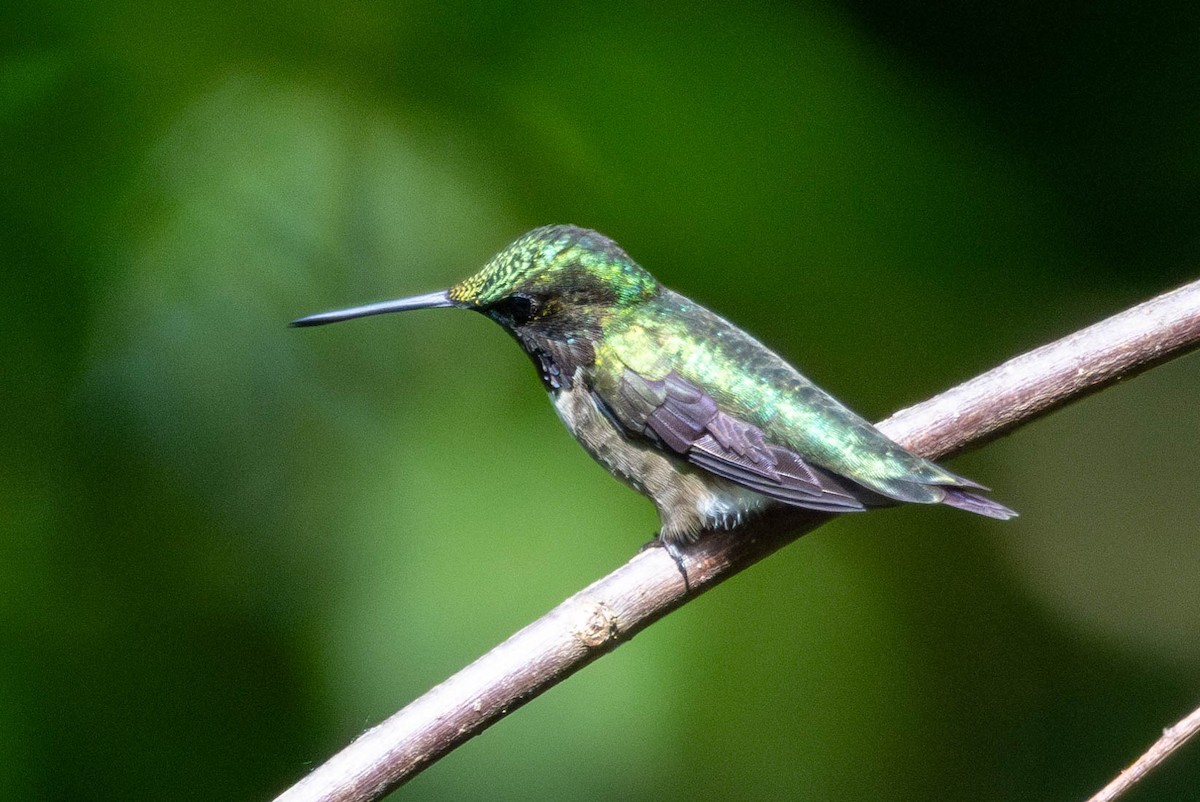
pixel 228 546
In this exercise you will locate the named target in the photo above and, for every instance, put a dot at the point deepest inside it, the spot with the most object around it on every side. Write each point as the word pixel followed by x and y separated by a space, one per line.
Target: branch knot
pixel 598 625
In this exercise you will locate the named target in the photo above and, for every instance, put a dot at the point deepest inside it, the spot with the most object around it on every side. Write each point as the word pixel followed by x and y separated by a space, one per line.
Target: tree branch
pixel 602 616
pixel 1172 738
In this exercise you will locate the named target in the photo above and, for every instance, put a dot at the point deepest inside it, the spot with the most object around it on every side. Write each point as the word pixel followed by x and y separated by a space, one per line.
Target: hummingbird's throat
pixel 556 360
pixel 552 375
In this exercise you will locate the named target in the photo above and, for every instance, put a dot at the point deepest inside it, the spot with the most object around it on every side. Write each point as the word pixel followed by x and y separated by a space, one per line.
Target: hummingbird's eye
pixel 514 310
pixel 521 308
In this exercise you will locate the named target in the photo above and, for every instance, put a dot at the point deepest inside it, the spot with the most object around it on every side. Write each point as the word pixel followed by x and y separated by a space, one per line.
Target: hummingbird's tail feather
pixel 973 502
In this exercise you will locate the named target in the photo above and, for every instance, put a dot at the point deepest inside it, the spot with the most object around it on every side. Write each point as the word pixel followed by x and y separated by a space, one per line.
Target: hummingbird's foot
pixel 673 550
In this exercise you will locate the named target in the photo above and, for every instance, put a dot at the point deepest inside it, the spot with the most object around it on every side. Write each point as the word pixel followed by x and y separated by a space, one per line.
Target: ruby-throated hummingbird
pixel 676 401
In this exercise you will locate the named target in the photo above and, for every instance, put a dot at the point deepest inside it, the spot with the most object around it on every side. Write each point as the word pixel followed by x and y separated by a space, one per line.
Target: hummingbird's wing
pixel 684 419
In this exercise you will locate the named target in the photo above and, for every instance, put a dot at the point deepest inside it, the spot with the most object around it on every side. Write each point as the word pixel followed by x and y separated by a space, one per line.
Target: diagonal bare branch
pixel 1172 738
pixel 602 616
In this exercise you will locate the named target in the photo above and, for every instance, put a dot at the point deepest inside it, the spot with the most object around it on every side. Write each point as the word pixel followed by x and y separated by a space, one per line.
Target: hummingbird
pixel 677 402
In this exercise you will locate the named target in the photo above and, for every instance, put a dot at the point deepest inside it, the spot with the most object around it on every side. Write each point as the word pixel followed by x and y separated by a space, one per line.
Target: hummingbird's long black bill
pixel 431 300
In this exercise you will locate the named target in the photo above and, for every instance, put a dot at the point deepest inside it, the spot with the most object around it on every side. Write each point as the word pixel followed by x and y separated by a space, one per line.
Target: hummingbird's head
pixel 560 277
pixel 552 272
